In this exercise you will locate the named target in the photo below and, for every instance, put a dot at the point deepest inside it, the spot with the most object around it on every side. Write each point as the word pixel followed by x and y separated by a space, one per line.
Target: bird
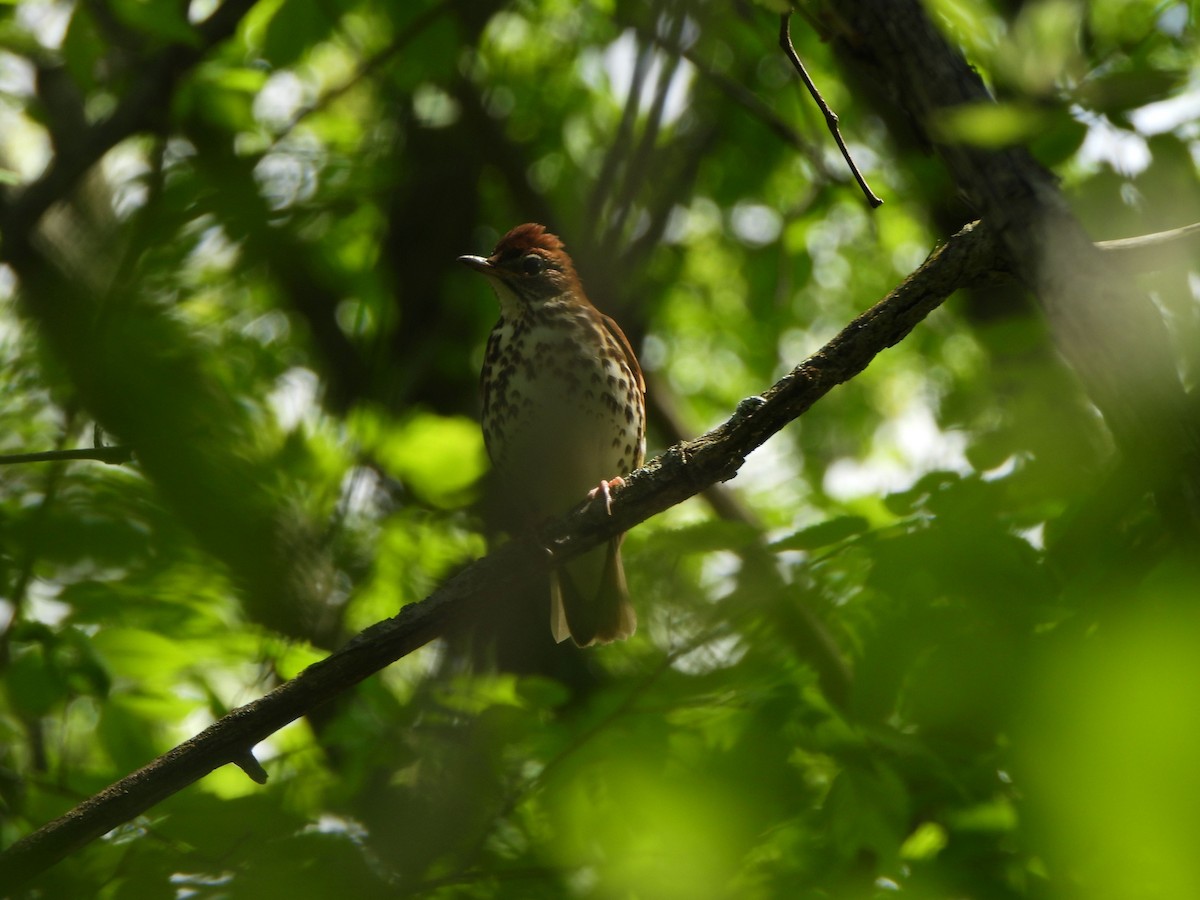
pixel 564 417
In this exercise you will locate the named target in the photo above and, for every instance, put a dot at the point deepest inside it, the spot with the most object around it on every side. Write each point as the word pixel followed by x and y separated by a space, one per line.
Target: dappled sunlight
pixel 915 619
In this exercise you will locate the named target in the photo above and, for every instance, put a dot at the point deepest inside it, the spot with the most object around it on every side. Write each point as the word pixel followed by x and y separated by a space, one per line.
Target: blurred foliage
pixel 259 294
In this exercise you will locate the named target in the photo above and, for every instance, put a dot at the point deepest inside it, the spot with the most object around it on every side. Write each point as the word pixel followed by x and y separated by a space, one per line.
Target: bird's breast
pixel 561 408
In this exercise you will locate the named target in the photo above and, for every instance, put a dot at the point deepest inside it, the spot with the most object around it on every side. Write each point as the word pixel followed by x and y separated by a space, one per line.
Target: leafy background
pixel 259 293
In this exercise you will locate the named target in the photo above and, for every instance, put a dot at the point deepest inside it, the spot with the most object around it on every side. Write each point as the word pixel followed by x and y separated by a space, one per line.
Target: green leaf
pixel 1118 92
pixel 82 48
pixel 704 537
pixel 867 807
pixel 440 457
pixel 128 734
pixel 1060 140
pixel 296 27
pixel 167 21
pixel 904 503
pixel 34 684
pixel 823 534
pixel 993 817
pixel 542 693
pixel 990 125
pixel 926 842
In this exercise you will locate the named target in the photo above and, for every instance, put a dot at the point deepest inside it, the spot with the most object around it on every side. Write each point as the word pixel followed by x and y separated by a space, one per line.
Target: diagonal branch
pixel 678 474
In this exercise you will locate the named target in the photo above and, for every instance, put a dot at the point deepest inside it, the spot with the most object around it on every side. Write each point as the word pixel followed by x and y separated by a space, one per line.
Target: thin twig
pixel 20 586
pixel 831 119
pixel 1150 251
pixel 110 455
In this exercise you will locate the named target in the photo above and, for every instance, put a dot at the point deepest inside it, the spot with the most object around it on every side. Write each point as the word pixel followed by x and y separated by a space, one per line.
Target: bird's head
pixel 528 267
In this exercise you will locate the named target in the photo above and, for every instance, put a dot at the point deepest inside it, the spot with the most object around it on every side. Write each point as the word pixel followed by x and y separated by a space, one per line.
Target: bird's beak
pixel 479 264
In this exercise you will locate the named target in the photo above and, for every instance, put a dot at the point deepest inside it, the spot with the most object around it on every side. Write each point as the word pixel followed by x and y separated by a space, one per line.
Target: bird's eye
pixel 532 264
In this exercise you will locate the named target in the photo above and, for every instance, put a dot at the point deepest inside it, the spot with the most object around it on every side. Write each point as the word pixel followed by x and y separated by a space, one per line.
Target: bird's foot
pixel 603 489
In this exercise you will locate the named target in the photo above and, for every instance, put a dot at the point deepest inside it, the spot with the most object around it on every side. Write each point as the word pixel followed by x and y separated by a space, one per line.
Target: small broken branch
pixel 831 119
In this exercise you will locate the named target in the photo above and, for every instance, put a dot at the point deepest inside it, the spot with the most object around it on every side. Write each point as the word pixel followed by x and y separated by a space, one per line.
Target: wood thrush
pixel 563 410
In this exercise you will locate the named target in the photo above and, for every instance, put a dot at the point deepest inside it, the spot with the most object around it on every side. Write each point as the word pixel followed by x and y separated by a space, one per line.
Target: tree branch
pixel 681 472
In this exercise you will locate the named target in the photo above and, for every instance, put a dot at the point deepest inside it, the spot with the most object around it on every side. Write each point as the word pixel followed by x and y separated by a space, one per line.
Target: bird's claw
pixel 603 489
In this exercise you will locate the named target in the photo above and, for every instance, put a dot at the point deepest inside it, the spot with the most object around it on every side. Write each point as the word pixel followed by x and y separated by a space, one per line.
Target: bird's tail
pixel 589 601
